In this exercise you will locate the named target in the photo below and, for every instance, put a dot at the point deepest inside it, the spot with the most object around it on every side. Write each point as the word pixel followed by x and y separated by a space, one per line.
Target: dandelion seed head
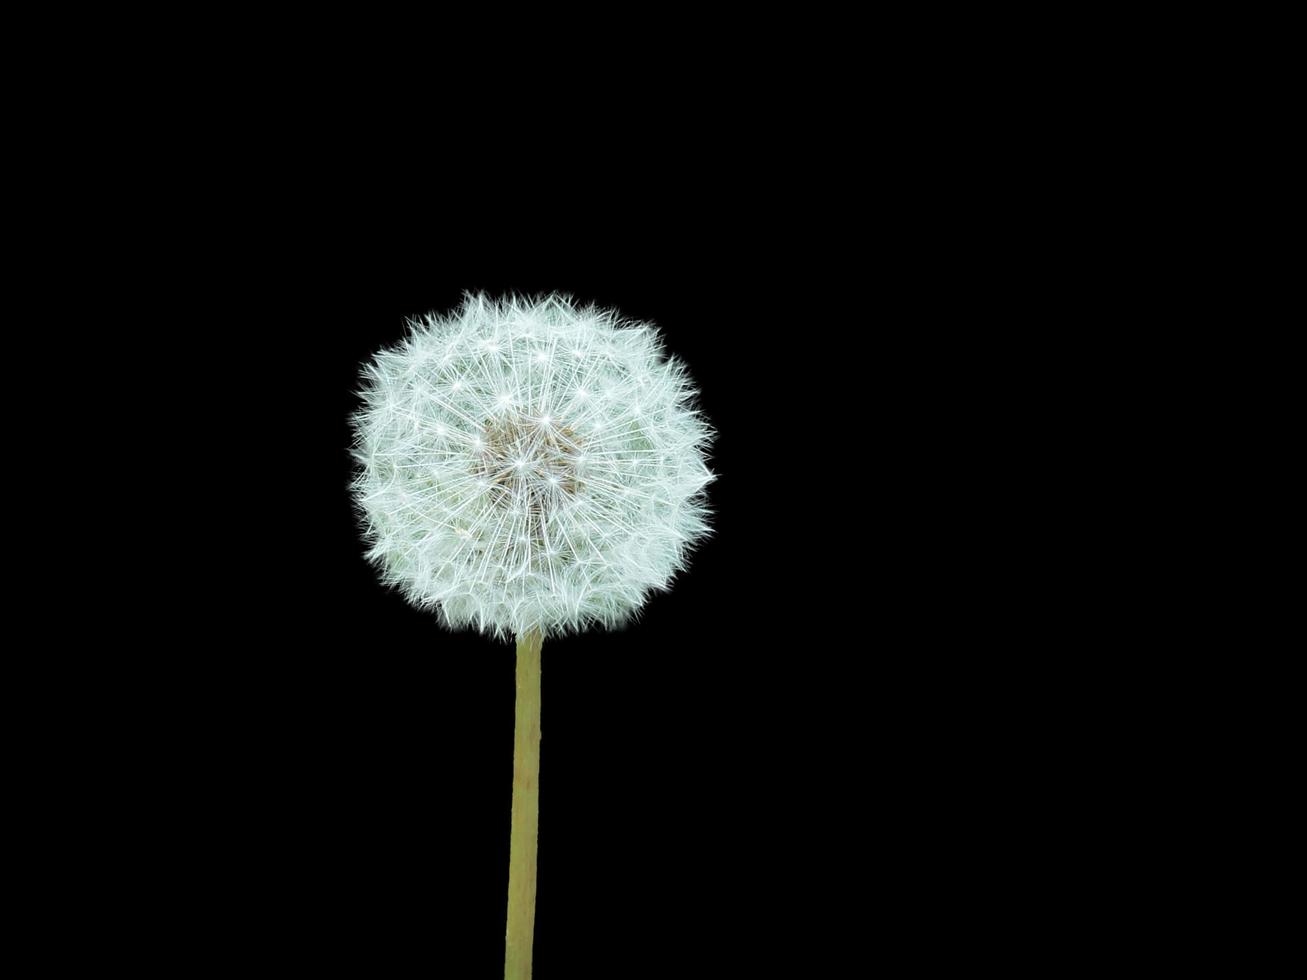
pixel 494 487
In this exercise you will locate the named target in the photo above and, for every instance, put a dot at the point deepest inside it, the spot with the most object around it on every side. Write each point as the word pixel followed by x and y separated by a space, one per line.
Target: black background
pixel 839 730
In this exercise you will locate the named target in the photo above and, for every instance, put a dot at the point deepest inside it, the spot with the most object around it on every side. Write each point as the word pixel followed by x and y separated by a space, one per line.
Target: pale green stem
pixel 526 811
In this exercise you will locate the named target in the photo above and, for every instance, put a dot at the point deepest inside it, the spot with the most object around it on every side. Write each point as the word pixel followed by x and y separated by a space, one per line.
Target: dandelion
pixel 529 468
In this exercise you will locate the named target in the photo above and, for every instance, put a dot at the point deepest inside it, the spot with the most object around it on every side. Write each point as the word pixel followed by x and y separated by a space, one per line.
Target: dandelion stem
pixel 526 811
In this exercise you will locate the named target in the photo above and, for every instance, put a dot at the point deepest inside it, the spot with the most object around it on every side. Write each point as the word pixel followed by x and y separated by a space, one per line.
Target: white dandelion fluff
pixel 530 465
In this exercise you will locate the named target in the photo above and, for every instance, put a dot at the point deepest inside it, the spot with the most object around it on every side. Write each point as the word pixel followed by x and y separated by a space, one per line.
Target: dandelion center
pixel 531 463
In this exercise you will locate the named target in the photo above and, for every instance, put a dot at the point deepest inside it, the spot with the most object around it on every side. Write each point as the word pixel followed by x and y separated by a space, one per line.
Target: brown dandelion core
pixel 533 462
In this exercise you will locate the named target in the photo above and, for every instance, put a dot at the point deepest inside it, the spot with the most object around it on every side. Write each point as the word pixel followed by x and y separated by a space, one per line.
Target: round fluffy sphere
pixel 530 465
